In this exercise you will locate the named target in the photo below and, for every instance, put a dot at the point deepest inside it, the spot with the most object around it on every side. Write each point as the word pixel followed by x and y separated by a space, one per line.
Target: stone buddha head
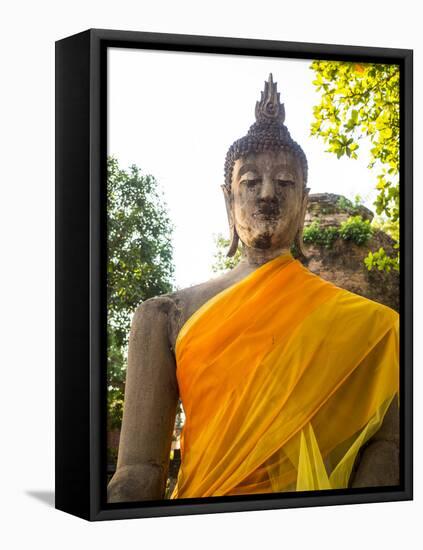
pixel 265 182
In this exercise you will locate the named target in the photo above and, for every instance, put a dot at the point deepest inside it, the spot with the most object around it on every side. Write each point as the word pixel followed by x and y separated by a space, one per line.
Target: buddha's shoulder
pixel 188 300
pixel 177 298
pixel 162 312
pixel 179 305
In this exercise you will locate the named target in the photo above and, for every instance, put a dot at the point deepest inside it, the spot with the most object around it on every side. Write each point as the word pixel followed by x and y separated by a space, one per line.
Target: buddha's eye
pixel 285 183
pixel 250 183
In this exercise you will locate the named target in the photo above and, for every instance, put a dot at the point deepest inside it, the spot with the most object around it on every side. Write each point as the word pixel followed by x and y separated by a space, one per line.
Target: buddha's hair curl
pixel 268 133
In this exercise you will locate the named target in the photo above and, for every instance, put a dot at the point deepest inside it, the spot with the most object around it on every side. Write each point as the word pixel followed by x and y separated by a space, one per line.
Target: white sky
pixel 176 114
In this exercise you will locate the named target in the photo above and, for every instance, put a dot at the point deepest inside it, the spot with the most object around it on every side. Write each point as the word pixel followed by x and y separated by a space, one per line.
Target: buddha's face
pixel 267 199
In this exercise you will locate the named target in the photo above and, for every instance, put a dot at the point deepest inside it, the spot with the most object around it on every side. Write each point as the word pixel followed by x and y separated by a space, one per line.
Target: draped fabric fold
pixel 283 378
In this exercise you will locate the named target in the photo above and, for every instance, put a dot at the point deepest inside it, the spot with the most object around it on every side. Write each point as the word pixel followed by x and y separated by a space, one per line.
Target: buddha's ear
pixel 234 239
pixel 304 204
pixel 298 241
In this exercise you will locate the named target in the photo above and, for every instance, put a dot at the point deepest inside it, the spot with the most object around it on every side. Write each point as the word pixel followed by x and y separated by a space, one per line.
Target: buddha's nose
pixel 267 190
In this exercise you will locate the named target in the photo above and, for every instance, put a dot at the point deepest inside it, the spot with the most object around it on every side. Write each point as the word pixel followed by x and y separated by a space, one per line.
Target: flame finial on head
pixel 268 133
pixel 269 107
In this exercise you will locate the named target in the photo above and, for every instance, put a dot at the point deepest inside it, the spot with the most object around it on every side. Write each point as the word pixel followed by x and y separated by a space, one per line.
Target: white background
pixel 28 32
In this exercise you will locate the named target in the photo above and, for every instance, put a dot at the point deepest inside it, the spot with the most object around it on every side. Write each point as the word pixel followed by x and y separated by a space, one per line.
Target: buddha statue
pixel 288 382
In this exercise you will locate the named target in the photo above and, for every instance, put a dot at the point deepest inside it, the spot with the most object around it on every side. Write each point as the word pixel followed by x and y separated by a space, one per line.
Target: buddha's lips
pixel 270 213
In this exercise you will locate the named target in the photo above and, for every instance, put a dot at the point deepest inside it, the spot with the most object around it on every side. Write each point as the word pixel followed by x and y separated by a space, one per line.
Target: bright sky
pixel 176 114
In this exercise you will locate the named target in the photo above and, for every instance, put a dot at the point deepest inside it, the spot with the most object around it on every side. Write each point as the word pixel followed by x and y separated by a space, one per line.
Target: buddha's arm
pixel 379 461
pixel 151 395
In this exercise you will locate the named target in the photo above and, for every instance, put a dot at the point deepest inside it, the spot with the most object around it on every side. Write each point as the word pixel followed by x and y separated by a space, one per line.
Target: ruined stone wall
pixel 343 262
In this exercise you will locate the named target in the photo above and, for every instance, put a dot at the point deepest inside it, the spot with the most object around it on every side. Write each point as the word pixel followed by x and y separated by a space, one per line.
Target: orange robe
pixel 283 377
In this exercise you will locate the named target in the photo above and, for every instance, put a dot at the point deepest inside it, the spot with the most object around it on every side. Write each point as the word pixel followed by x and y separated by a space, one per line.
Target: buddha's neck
pixel 255 257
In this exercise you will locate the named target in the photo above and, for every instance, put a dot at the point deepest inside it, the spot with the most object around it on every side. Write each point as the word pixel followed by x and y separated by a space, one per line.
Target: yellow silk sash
pixel 283 378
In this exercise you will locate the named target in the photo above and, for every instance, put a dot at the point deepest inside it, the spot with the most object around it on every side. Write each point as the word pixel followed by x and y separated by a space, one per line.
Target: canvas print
pixel 253 251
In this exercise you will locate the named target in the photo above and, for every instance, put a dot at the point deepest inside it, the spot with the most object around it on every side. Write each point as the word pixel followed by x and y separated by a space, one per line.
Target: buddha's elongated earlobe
pixel 233 247
pixel 298 240
pixel 234 239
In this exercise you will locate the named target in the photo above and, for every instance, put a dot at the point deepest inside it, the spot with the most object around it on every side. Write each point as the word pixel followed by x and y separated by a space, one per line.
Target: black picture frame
pixel 81 149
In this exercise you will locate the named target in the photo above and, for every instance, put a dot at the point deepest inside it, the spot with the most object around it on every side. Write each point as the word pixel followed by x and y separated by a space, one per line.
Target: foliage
pixel 353 229
pixel 139 263
pixel 356 229
pixel 322 236
pixel 388 227
pixel 362 101
pixel 381 261
pixel 221 262
pixel 348 206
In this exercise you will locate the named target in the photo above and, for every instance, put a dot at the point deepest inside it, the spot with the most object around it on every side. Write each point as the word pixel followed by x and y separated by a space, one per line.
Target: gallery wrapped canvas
pixel 234 254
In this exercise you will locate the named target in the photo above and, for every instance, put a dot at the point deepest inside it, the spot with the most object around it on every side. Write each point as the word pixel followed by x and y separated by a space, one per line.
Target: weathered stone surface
pixel 325 208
